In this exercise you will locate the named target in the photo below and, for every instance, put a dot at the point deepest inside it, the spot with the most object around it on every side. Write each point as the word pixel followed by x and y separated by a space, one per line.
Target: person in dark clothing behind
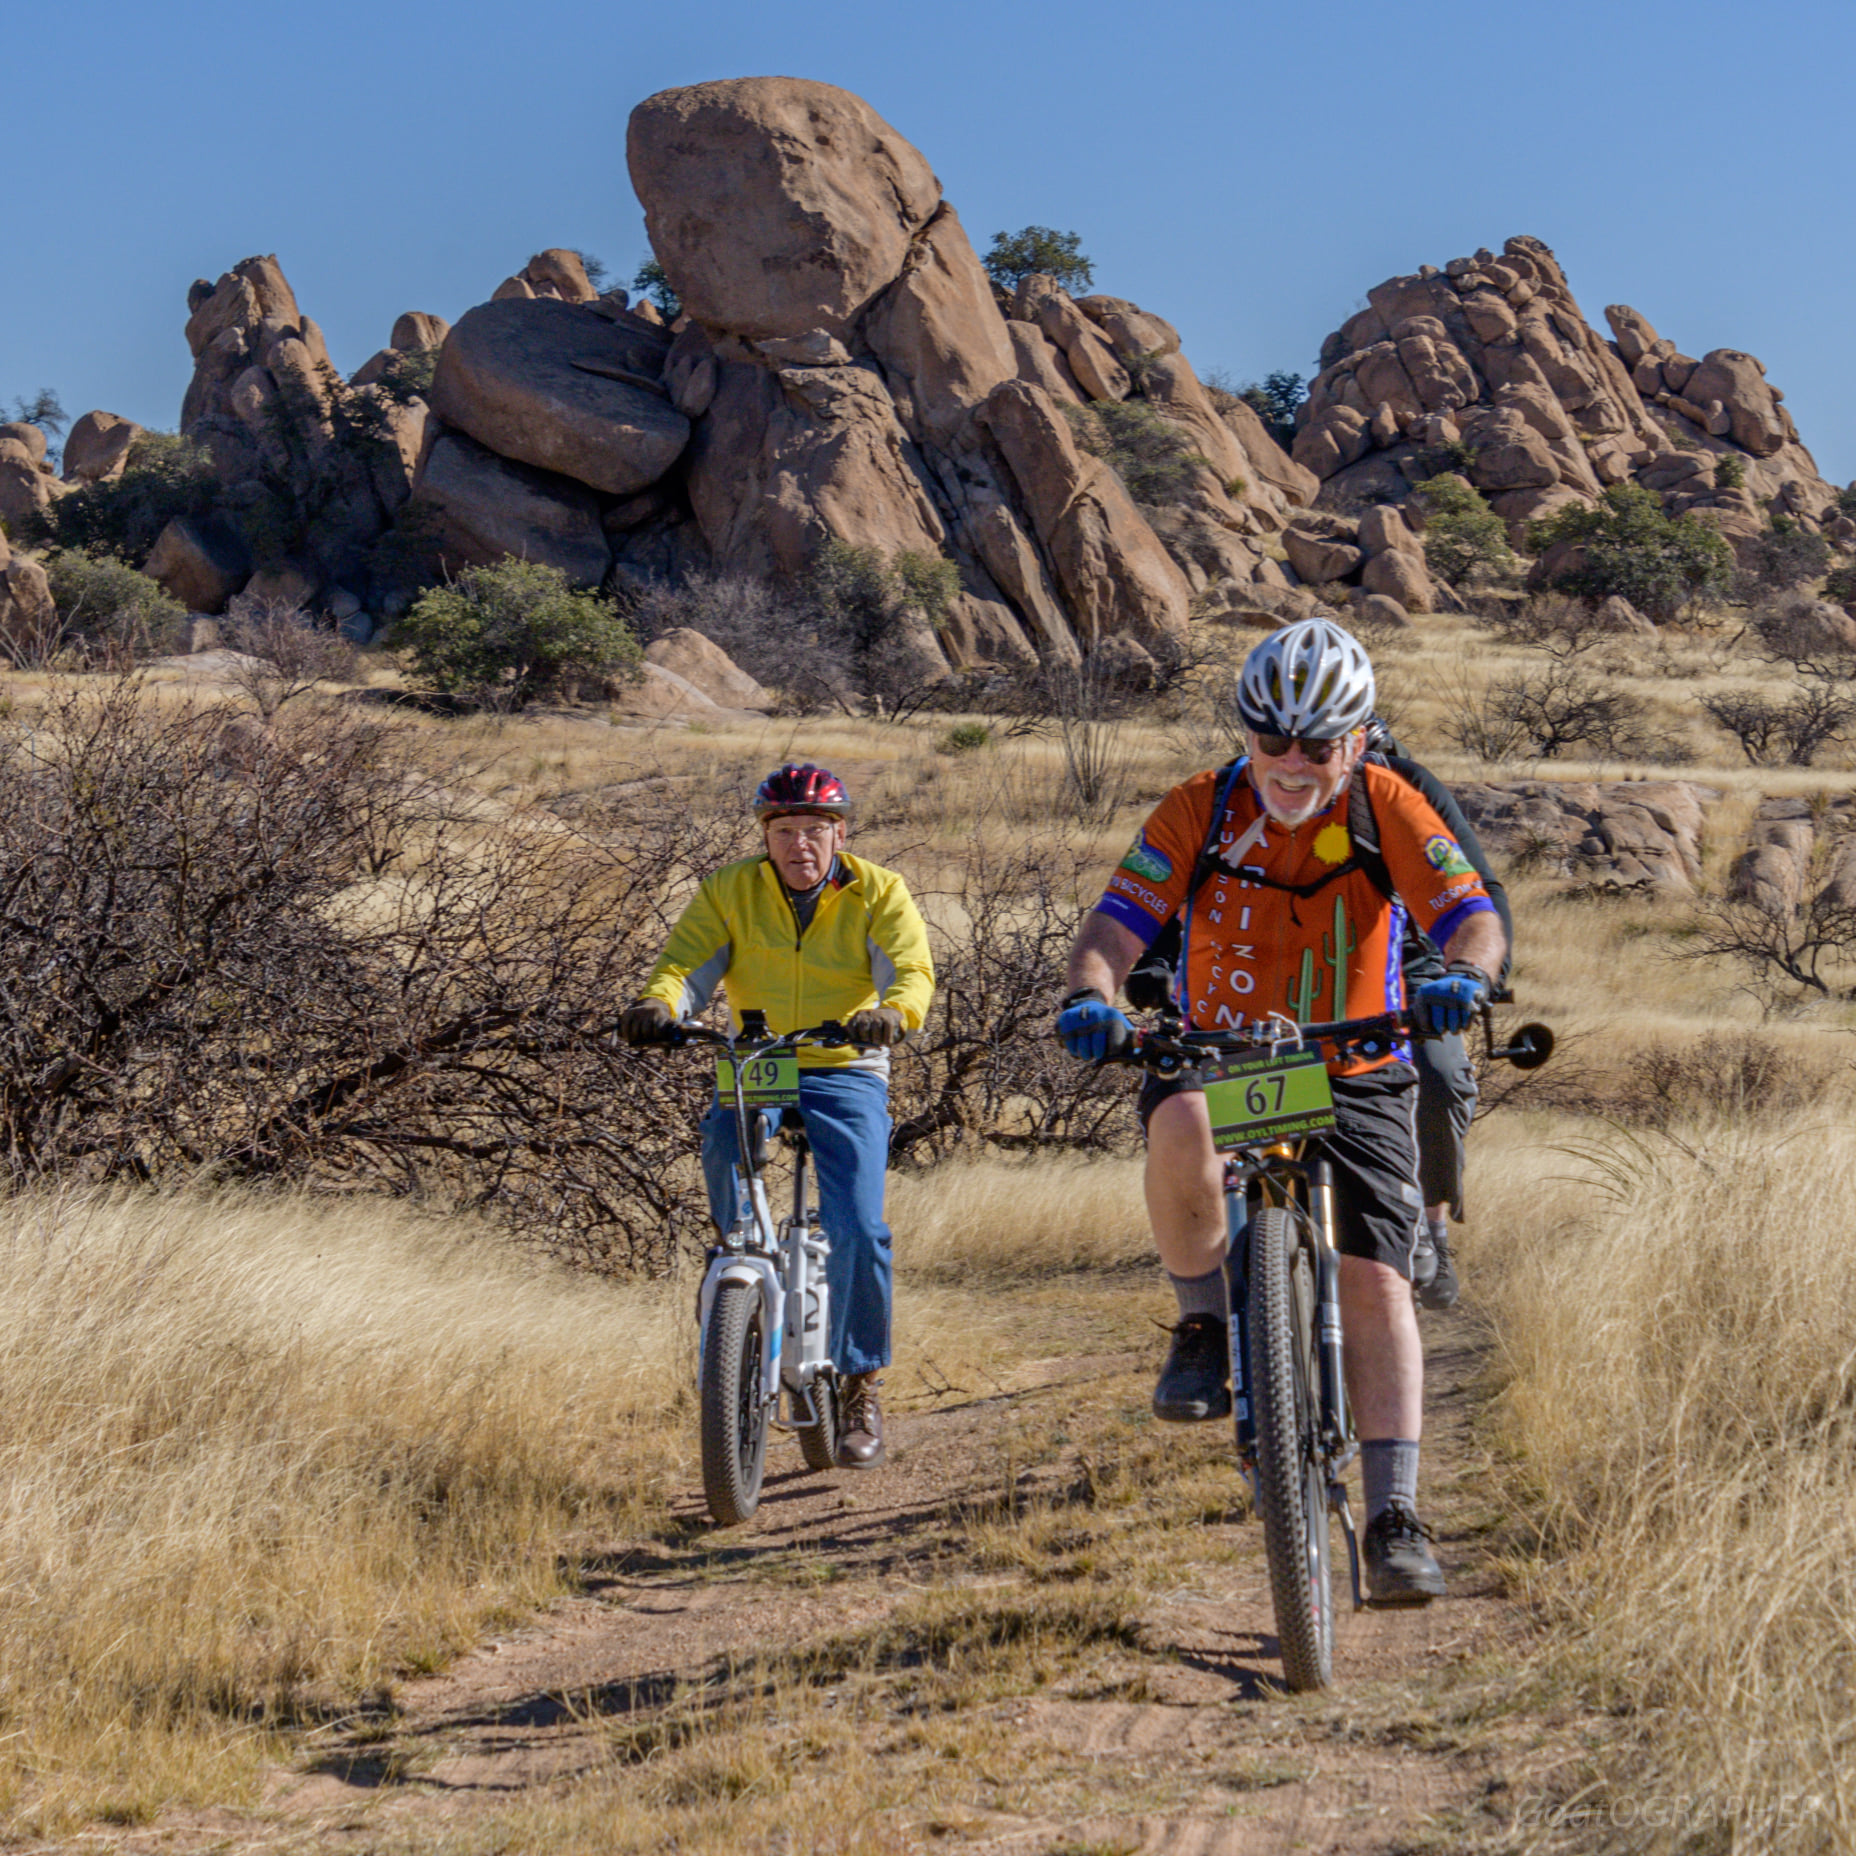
pixel 1446 1075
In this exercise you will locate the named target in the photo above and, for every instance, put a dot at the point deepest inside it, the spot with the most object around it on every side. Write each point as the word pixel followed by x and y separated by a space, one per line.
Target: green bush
pixel 1151 455
pixel 166 476
pixel 964 738
pixel 649 281
pixel 1464 539
pixel 1014 256
pixel 1276 399
pixel 110 608
pixel 1659 563
pixel 1840 584
pixel 1729 473
pixel 507 635
pixel 1846 500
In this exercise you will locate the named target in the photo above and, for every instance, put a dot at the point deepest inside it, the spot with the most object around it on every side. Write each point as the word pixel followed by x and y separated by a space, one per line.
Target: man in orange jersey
pixel 1299 916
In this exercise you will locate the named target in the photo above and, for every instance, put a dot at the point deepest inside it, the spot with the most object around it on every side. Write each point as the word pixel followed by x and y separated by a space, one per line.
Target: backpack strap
pixel 1362 834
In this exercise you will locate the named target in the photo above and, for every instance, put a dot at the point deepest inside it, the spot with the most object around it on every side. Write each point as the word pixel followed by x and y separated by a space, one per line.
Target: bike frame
pixel 1284 1176
pixel 786 1266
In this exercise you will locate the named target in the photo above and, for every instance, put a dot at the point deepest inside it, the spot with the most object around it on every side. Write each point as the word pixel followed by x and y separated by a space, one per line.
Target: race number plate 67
pixel 767 1082
pixel 1268 1098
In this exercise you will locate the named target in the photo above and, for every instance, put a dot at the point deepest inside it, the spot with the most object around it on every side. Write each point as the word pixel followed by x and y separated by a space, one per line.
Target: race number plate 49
pixel 1273 1097
pixel 767 1082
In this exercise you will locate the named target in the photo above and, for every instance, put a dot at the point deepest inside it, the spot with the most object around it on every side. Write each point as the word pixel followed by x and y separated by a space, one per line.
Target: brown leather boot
pixel 860 1422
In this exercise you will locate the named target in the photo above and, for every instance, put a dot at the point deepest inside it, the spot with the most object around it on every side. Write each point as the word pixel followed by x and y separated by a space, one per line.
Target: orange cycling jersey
pixel 1251 950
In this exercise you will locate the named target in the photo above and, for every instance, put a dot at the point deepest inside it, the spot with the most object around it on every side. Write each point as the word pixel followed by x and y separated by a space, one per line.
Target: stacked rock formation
pixel 1489 363
pixel 264 402
pixel 28 483
pixel 842 368
pixel 847 372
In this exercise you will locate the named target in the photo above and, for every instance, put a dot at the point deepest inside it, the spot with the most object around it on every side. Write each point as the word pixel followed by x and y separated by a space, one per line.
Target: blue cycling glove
pixel 1090 1027
pixel 1449 1004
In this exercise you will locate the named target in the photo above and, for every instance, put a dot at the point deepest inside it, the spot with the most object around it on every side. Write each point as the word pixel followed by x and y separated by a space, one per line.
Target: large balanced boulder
pixel 778 207
pixel 200 561
pixel 849 374
pixel 479 507
pixel 554 385
pixel 96 450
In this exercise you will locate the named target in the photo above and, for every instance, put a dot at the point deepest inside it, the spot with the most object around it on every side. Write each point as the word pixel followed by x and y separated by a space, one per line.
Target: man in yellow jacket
pixel 805 934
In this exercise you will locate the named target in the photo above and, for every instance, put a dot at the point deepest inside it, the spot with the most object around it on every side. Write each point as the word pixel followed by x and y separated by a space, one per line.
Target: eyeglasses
pixel 810 834
pixel 1317 750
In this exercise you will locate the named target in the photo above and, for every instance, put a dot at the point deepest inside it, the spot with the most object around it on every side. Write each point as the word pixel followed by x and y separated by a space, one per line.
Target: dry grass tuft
pixel 261 1455
pixel 1677 1318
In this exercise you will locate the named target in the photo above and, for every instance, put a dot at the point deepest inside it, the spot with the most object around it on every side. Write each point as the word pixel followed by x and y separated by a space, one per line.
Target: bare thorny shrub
pixel 986 1068
pixel 1737 1074
pixel 283 653
pixel 288 954
pixel 291 954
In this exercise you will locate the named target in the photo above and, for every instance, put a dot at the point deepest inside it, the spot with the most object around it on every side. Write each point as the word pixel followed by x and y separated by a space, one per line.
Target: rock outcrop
pixel 28 616
pixel 28 484
pixel 312 466
pixel 1488 366
pixel 1636 834
pixel 1800 851
pixel 96 449
pixel 847 372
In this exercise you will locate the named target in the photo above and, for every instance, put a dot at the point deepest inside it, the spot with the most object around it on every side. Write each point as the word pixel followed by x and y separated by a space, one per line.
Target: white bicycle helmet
pixel 1310 679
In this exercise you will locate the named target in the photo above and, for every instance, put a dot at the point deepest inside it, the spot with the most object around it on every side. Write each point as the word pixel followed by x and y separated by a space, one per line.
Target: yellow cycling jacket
pixel 866 946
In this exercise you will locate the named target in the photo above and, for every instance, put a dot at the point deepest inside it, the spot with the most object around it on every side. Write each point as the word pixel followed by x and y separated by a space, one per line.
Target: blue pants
pixel 846 1113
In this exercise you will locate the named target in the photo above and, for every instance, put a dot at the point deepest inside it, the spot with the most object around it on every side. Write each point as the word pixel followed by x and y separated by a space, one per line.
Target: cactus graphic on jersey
pixel 1305 996
pixel 1339 948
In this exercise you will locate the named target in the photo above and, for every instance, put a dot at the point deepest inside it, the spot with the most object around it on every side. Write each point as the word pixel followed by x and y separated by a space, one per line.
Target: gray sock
pixel 1438 1228
pixel 1389 1470
pixel 1202 1295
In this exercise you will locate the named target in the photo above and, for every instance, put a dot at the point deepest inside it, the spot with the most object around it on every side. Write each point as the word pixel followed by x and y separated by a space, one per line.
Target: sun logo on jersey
pixel 1443 854
pixel 1144 861
pixel 1332 844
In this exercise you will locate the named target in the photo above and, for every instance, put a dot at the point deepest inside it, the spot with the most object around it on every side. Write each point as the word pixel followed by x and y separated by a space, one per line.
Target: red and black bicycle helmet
pixel 795 788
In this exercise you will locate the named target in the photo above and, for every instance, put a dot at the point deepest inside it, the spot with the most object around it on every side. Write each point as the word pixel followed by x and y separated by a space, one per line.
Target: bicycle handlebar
pixel 1167 1050
pixel 685 1031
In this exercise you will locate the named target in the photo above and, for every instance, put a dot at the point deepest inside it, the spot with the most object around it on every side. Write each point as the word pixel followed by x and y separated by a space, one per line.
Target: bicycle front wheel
pixel 1292 1495
pixel 734 1414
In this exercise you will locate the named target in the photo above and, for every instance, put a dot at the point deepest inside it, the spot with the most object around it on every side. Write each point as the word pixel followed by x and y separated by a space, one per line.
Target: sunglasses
pixel 1317 750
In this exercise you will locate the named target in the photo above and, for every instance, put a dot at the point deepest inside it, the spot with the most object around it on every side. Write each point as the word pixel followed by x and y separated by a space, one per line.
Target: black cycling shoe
pixel 1194 1383
pixel 1400 1567
pixel 1437 1287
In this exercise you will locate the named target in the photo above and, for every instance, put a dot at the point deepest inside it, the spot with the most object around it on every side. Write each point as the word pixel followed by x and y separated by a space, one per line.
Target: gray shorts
pixel 1373 1150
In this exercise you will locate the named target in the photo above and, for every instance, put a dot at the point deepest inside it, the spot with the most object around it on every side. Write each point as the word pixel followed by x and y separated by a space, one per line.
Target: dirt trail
pixel 1192 1722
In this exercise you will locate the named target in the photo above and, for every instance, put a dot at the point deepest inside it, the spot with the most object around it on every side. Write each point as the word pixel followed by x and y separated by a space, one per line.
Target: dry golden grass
pixel 1675 1318
pixel 261 1454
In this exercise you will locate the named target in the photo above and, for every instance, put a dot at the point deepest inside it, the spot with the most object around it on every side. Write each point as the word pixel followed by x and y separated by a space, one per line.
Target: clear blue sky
pixel 1247 172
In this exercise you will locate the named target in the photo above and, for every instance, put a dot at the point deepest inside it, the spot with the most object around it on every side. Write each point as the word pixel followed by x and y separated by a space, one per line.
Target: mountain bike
pixel 764 1313
pixel 1268 1095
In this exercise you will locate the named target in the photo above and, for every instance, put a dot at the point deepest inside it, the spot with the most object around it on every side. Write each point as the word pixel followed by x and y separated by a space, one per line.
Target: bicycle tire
pixel 1292 1496
pixel 818 1443
pixel 734 1415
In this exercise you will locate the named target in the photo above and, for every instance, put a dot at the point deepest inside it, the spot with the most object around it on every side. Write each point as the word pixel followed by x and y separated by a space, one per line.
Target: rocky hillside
pixel 843 367
pixel 1490 358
